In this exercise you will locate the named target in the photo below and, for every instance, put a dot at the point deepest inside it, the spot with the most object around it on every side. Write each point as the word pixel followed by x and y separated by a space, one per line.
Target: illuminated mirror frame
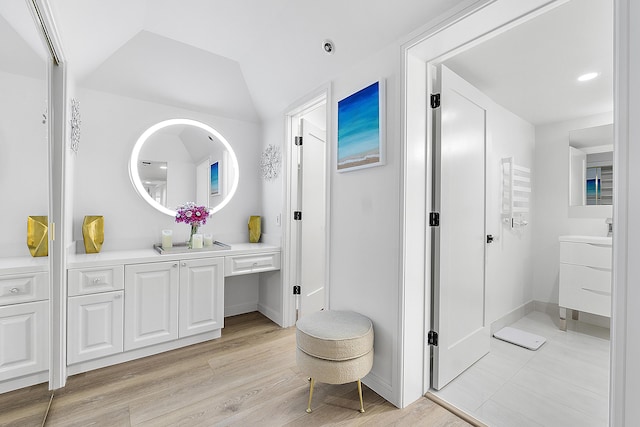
pixel 135 175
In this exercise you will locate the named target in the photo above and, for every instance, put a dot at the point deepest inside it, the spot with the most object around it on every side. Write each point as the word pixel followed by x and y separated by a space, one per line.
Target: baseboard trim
pixel 378 385
pixel 455 411
pixel 512 317
pixel 273 315
pixel 234 310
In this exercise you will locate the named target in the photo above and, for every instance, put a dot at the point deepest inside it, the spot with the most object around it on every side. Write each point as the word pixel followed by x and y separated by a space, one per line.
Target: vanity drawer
pixel 95 280
pixel 248 264
pixel 25 287
pixel 585 289
pixel 585 254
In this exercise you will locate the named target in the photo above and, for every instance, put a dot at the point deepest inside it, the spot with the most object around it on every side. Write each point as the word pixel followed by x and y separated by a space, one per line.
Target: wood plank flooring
pixel 248 377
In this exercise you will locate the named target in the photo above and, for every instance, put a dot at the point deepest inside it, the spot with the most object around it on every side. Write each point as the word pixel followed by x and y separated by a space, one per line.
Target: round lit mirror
pixel 180 160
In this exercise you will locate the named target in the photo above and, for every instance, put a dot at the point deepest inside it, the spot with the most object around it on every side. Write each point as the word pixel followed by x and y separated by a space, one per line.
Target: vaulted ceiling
pixel 251 59
pixel 247 59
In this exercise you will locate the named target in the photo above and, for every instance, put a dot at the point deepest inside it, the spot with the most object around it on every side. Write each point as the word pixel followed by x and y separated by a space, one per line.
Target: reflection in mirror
pixel 23 126
pixel 591 166
pixel 179 161
pixel 154 179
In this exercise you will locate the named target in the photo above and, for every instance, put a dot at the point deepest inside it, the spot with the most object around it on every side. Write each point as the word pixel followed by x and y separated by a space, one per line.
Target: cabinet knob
pixel 117 296
pixel 184 264
pixel 175 265
pixel 14 290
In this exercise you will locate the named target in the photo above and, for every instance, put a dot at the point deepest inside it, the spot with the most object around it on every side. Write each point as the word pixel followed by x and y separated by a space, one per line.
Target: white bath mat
pixel 521 338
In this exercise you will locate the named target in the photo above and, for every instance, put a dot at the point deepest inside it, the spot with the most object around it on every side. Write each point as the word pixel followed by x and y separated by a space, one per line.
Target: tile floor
pixel 564 383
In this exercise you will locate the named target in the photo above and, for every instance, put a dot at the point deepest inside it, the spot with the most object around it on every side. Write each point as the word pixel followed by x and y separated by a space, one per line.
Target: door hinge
pixel 296 290
pixel 432 338
pixel 297 215
pixel 434 219
pixel 435 100
pixel 298 140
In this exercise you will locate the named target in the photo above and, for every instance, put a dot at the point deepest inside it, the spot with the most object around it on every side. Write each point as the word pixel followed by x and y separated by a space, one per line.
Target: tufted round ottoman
pixel 334 347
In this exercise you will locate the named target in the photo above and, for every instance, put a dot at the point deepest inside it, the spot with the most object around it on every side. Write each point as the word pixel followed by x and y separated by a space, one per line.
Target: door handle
pixel 489 238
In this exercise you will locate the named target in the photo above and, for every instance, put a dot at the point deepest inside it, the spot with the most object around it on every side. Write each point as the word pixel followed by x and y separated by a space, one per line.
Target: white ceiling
pixel 275 46
pixel 250 59
pixel 532 69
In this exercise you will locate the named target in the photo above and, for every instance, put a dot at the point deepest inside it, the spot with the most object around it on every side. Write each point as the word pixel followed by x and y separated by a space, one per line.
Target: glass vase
pixel 194 230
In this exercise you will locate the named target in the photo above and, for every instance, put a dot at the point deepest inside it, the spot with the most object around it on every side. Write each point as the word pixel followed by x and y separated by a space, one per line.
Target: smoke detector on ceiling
pixel 328 47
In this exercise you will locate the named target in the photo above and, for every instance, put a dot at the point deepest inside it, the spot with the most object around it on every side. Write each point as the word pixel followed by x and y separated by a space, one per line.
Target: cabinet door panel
pixel 151 304
pixel 24 339
pixel 201 296
pixel 95 325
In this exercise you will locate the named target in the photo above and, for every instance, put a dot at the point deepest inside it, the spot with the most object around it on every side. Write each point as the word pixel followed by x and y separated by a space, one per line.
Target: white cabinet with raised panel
pixel 24 320
pixel 201 296
pixel 151 304
pixel 24 339
pixel 170 300
pixel 127 305
pixel 95 326
pixel 95 312
pixel 585 275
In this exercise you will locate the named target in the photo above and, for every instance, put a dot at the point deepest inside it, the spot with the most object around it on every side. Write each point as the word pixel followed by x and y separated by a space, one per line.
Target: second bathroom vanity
pixel 585 275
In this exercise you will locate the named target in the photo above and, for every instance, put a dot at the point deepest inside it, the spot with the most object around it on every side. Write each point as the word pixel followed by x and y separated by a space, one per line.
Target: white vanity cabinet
pixel 24 321
pixel 585 275
pixel 132 304
pixel 170 300
pixel 95 312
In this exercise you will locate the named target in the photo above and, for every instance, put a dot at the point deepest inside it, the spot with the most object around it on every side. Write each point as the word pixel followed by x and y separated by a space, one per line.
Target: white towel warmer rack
pixel 516 193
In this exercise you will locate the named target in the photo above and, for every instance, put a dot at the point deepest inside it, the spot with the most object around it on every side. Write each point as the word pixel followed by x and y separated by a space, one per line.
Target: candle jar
pixel 167 239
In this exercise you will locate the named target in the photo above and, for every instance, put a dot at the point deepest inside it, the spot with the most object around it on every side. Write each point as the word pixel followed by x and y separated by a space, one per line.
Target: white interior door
pixel 459 255
pixel 313 202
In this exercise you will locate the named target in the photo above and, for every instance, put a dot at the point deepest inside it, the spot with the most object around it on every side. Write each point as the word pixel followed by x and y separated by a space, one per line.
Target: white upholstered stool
pixel 334 347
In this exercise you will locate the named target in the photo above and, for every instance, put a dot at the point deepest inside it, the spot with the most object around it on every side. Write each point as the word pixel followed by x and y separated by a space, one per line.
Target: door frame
pixel 289 237
pixel 441 39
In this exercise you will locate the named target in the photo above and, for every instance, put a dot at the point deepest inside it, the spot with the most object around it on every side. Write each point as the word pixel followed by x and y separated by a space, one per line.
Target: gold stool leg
pixel 310 395
pixel 360 394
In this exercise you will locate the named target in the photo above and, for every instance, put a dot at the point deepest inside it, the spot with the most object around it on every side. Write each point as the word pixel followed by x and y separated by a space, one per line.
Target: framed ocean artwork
pixel 215 179
pixel 361 129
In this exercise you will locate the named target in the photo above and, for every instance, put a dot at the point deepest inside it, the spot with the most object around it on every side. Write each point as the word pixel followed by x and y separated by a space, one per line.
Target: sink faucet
pixel 609 222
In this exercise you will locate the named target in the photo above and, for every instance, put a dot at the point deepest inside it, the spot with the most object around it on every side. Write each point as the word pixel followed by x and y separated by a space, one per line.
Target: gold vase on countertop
pixel 38 235
pixel 254 229
pixel 93 233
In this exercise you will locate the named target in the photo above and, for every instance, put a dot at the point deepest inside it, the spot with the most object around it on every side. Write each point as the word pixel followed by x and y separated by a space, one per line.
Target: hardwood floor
pixel 248 377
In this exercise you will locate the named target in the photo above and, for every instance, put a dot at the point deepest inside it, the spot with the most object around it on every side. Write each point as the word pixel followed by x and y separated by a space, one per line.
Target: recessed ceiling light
pixel 588 76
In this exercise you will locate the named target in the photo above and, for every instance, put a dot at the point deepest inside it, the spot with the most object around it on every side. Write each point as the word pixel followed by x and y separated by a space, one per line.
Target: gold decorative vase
pixel 93 233
pixel 254 229
pixel 38 235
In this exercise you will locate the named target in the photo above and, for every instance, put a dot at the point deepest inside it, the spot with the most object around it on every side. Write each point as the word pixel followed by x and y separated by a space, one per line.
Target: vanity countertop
pixel 24 264
pixel 151 255
pixel 594 240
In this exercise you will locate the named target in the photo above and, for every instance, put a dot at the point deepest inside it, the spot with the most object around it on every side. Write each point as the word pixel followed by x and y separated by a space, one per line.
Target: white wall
pixel 111 124
pixel 24 170
pixel 508 267
pixel 271 287
pixel 365 225
pixel 550 218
